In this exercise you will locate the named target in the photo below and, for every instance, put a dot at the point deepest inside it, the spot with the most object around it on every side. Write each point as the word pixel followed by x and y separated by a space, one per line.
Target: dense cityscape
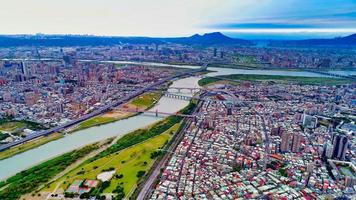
pixel 251 136
pixel 178 100
pixel 265 56
pixel 261 140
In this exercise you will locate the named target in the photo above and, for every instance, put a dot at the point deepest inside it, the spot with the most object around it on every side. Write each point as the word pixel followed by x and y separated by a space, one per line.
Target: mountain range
pixel 208 39
pixel 339 41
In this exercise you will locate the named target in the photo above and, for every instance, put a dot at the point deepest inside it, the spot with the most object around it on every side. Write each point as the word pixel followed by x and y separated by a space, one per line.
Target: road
pixel 266 141
pixel 101 110
pixel 146 189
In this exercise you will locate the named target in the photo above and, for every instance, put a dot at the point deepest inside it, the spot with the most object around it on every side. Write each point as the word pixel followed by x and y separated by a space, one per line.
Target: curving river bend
pixel 22 161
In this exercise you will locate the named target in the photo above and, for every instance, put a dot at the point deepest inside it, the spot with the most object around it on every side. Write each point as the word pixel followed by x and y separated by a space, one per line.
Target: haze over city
pixel 166 18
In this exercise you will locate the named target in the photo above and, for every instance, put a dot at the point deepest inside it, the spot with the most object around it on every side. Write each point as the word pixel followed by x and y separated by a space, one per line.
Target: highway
pixel 101 110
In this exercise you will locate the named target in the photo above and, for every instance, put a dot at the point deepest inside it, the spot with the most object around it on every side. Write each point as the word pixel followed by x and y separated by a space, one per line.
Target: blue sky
pixel 244 18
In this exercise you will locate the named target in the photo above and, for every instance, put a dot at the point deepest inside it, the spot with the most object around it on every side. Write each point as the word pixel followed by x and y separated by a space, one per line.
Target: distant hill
pixel 339 41
pixel 83 40
pixel 208 39
pixel 215 38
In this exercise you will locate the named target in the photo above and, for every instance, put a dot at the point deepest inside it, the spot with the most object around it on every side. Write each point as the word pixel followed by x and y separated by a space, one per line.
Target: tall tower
pixel 340 144
pixel 24 68
pixel 296 142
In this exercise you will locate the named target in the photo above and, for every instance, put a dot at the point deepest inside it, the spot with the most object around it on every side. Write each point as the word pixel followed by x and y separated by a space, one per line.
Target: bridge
pixel 181 89
pixel 177 96
pixel 101 110
pixel 156 113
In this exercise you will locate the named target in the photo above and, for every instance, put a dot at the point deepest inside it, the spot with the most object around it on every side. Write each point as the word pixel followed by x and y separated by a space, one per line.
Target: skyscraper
pixel 24 69
pixel 327 151
pixel 286 136
pixel 309 121
pixel 296 142
pixel 340 144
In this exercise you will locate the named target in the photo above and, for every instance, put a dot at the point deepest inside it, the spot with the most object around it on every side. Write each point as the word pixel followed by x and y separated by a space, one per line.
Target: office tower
pixel 229 111
pixel 327 151
pixel 24 69
pixel 340 144
pixel 296 142
pixel 309 121
pixel 286 136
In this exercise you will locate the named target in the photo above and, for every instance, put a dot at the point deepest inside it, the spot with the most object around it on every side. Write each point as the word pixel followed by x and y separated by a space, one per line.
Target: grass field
pixel 280 79
pixel 29 145
pixel 11 126
pixel 144 101
pixel 29 180
pixel 95 121
pixel 126 162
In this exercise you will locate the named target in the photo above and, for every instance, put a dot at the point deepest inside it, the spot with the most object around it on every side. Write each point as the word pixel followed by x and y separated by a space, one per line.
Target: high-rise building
pixel 340 145
pixel 309 121
pixel 24 69
pixel 285 139
pixel 327 151
pixel 296 142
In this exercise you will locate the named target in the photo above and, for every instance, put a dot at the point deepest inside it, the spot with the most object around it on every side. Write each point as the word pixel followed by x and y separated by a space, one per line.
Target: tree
pixel 140 173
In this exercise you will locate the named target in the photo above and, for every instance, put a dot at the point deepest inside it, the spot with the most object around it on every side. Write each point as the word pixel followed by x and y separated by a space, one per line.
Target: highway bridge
pixel 177 96
pixel 100 110
pixel 156 113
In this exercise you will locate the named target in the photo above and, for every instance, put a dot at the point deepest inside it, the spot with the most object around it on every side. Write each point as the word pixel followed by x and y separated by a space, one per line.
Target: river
pixel 22 161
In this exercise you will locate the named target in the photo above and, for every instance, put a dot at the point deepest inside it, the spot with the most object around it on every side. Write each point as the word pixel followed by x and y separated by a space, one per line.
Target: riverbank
pixel 260 67
pixel 126 163
pixel 142 102
pixel 29 145
pixel 276 78
pixel 130 158
pixel 29 180
pixel 17 163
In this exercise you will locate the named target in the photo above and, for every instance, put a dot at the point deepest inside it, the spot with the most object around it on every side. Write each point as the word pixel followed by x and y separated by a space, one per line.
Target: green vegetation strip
pixel 130 165
pixel 141 134
pixel 9 125
pixel 29 180
pixel 138 136
pixel 95 121
pixel 131 157
pixel 278 79
pixel 146 100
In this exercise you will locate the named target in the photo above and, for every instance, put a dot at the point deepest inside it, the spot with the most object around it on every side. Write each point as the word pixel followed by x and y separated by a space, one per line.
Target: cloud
pixel 171 17
pixel 343 22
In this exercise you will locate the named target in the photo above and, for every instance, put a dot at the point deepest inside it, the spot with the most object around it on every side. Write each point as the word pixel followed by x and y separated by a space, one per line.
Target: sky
pixel 169 18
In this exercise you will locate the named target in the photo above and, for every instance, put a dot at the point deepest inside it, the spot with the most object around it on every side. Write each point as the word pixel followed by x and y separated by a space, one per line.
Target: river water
pixel 22 161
